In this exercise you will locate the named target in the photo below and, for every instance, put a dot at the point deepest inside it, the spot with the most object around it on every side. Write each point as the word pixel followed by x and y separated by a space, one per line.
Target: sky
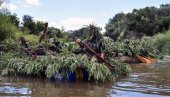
pixel 73 14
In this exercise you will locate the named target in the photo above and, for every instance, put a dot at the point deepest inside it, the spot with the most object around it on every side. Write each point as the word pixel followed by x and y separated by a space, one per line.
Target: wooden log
pixel 43 33
pixel 92 51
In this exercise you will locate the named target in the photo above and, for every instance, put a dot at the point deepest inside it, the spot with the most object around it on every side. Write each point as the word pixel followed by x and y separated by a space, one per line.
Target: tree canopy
pixel 85 33
pixel 146 21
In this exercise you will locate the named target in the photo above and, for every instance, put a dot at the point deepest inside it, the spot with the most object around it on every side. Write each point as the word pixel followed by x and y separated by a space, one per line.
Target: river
pixel 146 80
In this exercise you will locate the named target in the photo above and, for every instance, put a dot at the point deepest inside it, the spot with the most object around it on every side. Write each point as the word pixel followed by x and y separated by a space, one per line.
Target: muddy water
pixel 147 80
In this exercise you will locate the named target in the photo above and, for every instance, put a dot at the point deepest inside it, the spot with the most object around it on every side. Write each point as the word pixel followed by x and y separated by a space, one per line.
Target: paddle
pixel 92 51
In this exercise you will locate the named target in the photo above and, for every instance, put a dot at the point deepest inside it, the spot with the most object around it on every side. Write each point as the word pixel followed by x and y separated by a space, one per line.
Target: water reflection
pixel 26 87
pixel 9 88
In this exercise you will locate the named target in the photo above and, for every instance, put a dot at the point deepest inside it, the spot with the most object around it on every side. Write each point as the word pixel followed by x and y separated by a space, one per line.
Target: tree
pixel 29 23
pixel 39 26
pixel 54 32
pixel 147 21
pixel 7 29
pixel 85 33
pixel 116 26
pixel 14 19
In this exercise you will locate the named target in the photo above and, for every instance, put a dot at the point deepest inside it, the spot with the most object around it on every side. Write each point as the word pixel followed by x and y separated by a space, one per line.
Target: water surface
pixel 147 80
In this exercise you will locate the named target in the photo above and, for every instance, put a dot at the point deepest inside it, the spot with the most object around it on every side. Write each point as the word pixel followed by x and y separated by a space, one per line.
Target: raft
pixel 146 59
pixel 153 60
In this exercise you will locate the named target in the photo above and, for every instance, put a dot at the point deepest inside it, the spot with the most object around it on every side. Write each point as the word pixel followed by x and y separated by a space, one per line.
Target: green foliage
pixel 7 29
pixel 33 39
pixel 86 33
pixel 54 32
pixel 99 72
pixel 14 63
pixel 147 21
pixel 161 42
pixel 14 19
pixel 39 26
pixel 121 69
pixel 116 26
pixel 28 23
pixel 65 62
pixel 35 27
pixel 111 47
pixel 11 44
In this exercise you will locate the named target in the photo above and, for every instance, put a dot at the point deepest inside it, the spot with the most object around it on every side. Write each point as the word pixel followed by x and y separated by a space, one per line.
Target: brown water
pixel 147 80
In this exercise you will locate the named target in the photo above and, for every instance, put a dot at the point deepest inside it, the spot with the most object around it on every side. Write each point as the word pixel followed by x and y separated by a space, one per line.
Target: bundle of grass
pixel 66 64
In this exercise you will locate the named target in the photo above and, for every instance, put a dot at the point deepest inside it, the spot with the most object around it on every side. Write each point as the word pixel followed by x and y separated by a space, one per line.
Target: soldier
pixel 144 52
pixel 24 43
pixel 26 46
pixel 82 49
pixel 56 47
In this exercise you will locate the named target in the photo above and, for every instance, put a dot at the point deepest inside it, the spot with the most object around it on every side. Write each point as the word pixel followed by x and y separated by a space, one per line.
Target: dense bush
pixel 11 45
pixel 32 39
pixel 7 29
pixel 161 41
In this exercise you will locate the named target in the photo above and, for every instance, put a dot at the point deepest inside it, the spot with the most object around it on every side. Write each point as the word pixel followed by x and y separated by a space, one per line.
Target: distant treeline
pixel 147 21
pixel 10 25
pixel 136 24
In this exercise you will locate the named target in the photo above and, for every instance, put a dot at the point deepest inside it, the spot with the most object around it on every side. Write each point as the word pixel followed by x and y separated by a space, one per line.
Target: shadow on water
pixel 147 80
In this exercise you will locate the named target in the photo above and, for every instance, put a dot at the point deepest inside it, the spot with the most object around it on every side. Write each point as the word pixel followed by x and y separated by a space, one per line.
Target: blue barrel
pixel 79 74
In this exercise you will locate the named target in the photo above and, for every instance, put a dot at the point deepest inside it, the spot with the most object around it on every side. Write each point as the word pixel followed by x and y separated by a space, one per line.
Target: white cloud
pixel 25 6
pixel 104 14
pixel 74 23
pixel 33 2
pixel 13 7
pixel 41 19
pixel 22 3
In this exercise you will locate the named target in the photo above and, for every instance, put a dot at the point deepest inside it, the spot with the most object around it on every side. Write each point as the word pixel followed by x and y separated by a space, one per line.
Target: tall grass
pixel 33 39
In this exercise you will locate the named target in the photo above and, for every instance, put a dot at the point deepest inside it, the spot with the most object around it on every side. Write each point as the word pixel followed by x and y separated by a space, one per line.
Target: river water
pixel 146 80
